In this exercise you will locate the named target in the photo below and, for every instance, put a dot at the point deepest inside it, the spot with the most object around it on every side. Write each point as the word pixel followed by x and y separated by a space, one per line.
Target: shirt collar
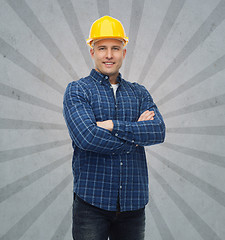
pixel 102 78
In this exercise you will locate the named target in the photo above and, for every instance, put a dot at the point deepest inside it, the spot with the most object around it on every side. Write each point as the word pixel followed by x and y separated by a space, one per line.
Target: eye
pixel 116 48
pixel 101 48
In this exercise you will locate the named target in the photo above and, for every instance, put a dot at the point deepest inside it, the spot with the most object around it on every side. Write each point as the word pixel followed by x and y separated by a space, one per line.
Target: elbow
pixel 85 141
pixel 81 143
pixel 160 133
pixel 157 137
pixel 85 144
pixel 163 136
pixel 163 132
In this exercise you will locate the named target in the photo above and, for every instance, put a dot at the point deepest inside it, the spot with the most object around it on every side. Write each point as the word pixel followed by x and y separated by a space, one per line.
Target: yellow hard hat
pixel 107 27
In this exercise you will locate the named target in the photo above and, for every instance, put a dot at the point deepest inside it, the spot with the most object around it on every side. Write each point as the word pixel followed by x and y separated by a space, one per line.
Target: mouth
pixel 108 64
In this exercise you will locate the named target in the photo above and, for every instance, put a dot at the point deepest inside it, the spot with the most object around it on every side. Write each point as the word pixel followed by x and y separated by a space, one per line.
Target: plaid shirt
pixel 106 163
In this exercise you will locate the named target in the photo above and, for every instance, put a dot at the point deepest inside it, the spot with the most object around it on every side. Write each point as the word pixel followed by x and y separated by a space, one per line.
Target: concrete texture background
pixel 176 50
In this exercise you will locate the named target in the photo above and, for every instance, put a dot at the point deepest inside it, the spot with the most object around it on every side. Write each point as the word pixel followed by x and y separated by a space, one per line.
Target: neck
pixel 112 78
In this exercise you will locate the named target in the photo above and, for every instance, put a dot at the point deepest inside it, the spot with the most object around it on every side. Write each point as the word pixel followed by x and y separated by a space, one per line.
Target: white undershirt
pixel 115 86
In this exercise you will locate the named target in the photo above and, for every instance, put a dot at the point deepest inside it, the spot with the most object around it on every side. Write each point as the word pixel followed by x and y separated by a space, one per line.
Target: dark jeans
pixel 92 223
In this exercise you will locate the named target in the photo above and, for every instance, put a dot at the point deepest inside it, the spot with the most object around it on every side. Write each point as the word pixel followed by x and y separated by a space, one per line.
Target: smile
pixel 108 63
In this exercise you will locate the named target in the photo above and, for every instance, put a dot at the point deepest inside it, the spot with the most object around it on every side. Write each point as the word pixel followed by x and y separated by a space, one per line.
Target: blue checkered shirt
pixel 107 165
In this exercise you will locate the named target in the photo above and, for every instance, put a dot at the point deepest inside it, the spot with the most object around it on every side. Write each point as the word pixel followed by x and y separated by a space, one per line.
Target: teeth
pixel 108 63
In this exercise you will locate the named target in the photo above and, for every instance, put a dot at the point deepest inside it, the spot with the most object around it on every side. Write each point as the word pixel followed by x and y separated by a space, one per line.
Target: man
pixel 110 121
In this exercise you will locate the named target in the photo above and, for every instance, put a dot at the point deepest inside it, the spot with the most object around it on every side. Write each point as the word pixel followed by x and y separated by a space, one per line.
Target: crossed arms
pixel 111 136
pixel 145 116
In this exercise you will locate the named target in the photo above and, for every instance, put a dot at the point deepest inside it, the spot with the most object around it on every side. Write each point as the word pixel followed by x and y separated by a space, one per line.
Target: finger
pixel 147 118
pixel 151 118
pixel 146 112
pixel 150 114
pixel 146 115
pixel 142 116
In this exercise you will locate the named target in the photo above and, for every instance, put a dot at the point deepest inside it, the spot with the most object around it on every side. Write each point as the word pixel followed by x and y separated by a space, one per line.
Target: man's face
pixel 108 55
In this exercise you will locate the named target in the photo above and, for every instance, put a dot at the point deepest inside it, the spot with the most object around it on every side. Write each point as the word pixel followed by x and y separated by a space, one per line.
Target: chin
pixel 110 72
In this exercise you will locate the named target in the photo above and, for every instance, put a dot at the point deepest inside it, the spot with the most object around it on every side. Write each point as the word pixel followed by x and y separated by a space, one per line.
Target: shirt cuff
pixel 122 130
pixel 119 130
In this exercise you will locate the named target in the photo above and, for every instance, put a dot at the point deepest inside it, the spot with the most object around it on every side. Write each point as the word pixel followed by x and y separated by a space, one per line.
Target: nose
pixel 109 54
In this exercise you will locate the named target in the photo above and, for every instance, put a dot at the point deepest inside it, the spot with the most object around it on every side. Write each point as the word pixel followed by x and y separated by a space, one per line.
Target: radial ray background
pixel 176 50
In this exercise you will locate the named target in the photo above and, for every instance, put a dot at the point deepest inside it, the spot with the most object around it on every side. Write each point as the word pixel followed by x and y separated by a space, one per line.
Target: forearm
pixel 143 133
pixel 150 127
pixel 94 138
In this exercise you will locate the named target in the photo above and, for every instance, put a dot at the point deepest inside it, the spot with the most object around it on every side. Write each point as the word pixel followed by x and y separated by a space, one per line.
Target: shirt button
pixel 116 134
pixel 120 187
pixel 113 153
pixel 128 152
pixel 106 77
pixel 132 141
pixel 121 164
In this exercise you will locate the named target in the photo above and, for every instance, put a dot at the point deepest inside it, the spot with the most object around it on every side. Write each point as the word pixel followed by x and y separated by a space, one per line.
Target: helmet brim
pixel 91 40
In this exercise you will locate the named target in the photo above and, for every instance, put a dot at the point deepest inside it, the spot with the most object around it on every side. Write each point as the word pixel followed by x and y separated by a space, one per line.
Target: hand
pixel 108 124
pixel 147 115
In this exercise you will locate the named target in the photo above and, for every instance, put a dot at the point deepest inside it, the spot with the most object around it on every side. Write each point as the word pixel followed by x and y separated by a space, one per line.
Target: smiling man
pixel 110 120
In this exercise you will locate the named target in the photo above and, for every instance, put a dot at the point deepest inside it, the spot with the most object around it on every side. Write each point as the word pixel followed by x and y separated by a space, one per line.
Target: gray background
pixel 176 50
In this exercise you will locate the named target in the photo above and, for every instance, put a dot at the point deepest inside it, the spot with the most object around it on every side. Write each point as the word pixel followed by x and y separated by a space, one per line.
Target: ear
pixel 124 52
pixel 92 52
